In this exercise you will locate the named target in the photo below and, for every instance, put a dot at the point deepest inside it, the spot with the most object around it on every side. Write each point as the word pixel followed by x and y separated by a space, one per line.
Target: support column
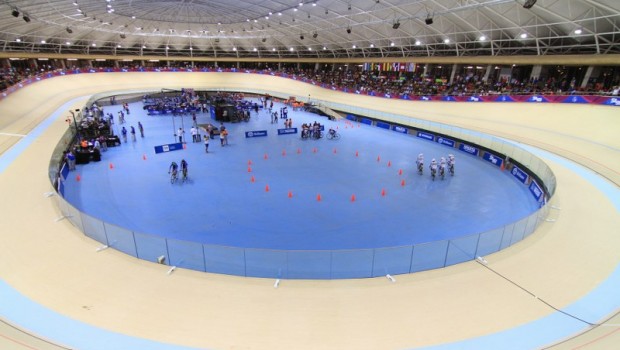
pixel 487 72
pixel 454 68
pixel 535 75
pixel 426 68
pixel 587 76
pixel 316 67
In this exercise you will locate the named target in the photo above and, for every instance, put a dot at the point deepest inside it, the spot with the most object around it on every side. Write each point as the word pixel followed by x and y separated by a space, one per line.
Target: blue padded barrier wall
pixel 151 247
pixel 392 261
pixel 227 260
pixel 309 264
pixel 186 254
pixel 121 239
pixel 352 263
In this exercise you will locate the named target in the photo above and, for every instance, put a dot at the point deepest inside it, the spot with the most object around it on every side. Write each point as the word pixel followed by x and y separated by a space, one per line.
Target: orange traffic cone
pixel 352 198
pixel 290 194
pixel 383 192
pixel 318 197
pixel 144 157
pixel 252 179
pixel 111 166
pixel 78 178
pixel 266 188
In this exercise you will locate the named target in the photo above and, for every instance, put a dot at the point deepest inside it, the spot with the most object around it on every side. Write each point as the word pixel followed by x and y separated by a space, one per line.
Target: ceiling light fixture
pixel 529 3
pixel 15 13
pixel 315 35
pixel 428 20
pixel 69 30
pixel 396 25
pixel 26 18
pixel 349 30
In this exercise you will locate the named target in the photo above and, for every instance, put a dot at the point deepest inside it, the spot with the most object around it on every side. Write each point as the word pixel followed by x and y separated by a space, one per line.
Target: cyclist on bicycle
pixel 420 163
pixel 451 164
pixel 184 168
pixel 173 170
pixel 442 167
pixel 433 168
pixel 332 132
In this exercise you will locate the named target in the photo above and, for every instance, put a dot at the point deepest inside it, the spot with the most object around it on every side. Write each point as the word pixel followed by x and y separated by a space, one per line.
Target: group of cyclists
pixel 174 170
pixel 437 169
pixel 313 131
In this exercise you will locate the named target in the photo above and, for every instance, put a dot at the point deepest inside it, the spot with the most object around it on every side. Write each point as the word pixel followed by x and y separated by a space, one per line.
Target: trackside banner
pixel 537 192
pixel 519 174
pixel 493 159
pixel 287 131
pixel 469 149
pixel 399 129
pixel 426 136
pixel 445 141
pixel 169 147
pixel 256 133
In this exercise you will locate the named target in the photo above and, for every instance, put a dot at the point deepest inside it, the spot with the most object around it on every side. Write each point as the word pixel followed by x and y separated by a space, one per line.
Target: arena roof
pixel 311 28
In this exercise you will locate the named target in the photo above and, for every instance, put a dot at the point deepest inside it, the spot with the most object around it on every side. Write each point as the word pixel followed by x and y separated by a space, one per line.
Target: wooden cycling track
pixel 55 265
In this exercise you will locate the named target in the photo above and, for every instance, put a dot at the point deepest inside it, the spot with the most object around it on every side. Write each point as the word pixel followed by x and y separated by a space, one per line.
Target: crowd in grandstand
pixel 356 79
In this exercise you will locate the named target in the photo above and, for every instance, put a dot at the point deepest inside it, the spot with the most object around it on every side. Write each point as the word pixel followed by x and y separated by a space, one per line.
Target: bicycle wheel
pixel 336 136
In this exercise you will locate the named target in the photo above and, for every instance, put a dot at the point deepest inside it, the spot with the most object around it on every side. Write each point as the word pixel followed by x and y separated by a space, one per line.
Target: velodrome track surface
pixel 54 265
